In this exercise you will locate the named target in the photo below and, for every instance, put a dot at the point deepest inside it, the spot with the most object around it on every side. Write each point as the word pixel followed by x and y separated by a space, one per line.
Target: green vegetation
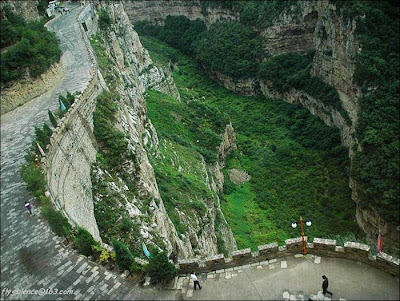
pixel 239 44
pixel 34 178
pixel 31 173
pixel 124 257
pixel 178 31
pixel 84 241
pixel 191 130
pixel 253 13
pixel 160 269
pixel 242 53
pixel 104 19
pixel 32 48
pixel 67 100
pixel 52 119
pixel 112 218
pixel 231 48
pixel 376 167
pixel 105 64
pixel 112 141
pixel 292 70
pixel 57 221
pixel 296 163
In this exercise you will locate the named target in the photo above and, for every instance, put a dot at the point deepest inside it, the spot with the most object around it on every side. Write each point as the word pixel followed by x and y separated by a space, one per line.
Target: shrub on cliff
pixel 84 241
pixel 104 19
pixel 160 269
pixel 57 221
pixel 124 257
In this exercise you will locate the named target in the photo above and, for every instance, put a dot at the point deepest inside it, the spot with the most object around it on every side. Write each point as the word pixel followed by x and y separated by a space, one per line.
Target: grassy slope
pixel 296 165
pixel 179 169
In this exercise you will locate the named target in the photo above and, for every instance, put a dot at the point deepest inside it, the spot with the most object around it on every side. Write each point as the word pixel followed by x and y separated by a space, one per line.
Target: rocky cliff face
pixel 156 11
pixel 20 92
pixel 307 25
pixel 27 9
pixel 135 73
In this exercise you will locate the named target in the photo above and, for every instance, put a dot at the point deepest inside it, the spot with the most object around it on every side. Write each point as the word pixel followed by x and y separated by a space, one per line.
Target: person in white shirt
pixel 195 280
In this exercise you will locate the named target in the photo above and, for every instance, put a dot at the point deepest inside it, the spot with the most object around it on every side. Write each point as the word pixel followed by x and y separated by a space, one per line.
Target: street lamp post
pixel 308 224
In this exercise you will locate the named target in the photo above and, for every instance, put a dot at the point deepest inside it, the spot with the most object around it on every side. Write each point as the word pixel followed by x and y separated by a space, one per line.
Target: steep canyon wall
pixel 309 25
pixel 135 72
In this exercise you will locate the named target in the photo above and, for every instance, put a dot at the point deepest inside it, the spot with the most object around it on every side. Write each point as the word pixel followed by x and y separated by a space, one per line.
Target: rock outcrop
pixel 157 10
pixel 22 91
pixel 135 72
pixel 27 9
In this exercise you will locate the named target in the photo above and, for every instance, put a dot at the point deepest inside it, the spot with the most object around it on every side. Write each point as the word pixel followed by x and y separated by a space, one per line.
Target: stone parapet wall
pixel 320 247
pixel 71 152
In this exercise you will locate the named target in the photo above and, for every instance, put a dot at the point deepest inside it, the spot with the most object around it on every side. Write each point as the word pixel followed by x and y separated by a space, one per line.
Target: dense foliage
pixel 191 129
pixel 160 269
pixel 178 31
pixel 57 221
pixel 376 167
pixel 84 241
pixel 104 19
pixel 296 163
pixel 231 48
pixel 253 13
pixel 242 53
pixel 239 44
pixel 112 141
pixel 123 256
pixel 292 70
pixel 31 47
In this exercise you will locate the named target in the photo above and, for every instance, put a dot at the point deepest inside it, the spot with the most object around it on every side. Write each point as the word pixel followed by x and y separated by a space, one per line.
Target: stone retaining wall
pixel 72 150
pixel 320 247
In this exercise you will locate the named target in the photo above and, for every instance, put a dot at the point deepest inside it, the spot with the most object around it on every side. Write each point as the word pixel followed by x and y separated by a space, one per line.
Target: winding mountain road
pixel 31 256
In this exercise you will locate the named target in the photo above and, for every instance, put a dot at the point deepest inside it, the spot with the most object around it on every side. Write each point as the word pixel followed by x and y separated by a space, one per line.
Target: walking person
pixel 195 280
pixel 325 285
pixel 29 207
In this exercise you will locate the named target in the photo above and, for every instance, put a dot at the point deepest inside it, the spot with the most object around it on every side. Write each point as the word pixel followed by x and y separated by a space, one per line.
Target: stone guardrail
pixel 321 247
pixel 68 118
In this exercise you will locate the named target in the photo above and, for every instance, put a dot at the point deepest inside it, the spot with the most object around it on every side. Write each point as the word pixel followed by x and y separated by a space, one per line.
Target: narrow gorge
pixel 148 145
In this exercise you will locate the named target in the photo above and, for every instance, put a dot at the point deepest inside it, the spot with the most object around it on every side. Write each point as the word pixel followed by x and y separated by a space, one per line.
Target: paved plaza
pixel 34 258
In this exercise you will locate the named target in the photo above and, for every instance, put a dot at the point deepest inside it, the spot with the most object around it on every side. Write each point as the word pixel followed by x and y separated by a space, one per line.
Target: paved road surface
pixel 33 258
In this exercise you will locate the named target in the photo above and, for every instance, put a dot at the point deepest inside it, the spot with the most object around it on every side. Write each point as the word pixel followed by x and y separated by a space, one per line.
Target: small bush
pixel 84 241
pixel 57 221
pixel 34 179
pixel 124 257
pixel 52 119
pixel 104 19
pixel 160 269
pixel 104 256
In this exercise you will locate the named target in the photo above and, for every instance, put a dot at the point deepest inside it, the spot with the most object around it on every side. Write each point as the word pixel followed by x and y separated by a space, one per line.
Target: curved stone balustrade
pixel 319 246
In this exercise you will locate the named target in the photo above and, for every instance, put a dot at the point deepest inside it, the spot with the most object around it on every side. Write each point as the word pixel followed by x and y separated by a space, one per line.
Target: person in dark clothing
pixel 325 285
pixel 195 280
pixel 29 207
